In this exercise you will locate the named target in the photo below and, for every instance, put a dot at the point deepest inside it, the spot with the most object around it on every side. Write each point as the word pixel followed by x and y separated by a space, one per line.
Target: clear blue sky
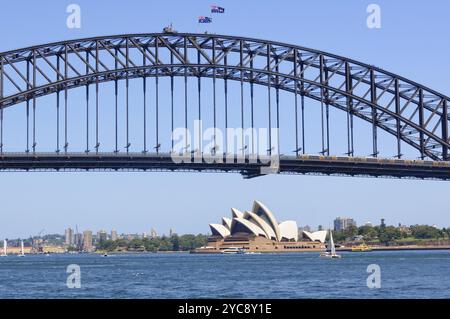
pixel 413 42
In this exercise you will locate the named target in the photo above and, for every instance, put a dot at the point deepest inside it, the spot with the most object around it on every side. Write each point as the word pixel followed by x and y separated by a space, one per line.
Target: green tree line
pixel 389 234
pixel 174 243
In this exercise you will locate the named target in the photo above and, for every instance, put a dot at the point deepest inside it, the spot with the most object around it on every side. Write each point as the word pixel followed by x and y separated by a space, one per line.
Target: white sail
pixel 333 249
pixel 21 249
pixel 5 247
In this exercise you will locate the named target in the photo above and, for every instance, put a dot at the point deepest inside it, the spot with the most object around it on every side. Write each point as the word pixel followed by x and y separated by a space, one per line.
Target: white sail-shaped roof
pixel 219 230
pixel 316 236
pixel 236 213
pixel 289 230
pixel 240 225
pixel 270 233
pixel 226 222
pixel 262 211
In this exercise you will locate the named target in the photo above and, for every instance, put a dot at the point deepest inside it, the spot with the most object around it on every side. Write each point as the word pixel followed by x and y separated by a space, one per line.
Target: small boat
pixel 233 250
pixel 5 248
pixel 105 255
pixel 22 254
pixel 332 252
pixel 361 248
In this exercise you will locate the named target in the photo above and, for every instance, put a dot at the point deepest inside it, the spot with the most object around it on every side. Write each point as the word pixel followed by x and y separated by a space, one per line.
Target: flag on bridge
pixel 217 9
pixel 204 20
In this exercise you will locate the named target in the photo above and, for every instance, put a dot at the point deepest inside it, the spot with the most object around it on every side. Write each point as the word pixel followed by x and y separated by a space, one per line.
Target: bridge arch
pixel 411 112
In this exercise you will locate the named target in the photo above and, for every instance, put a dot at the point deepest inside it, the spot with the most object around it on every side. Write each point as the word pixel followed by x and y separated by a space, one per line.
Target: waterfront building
pixel 404 229
pixel 258 230
pixel 318 236
pixel 114 235
pixel 342 223
pixel 69 237
pixel 87 240
pixel 302 229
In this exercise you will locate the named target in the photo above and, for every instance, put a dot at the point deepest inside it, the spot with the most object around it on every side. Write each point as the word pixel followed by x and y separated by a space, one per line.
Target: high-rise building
pixel 102 236
pixel 69 237
pixel 87 240
pixel 342 223
pixel 78 241
pixel 114 235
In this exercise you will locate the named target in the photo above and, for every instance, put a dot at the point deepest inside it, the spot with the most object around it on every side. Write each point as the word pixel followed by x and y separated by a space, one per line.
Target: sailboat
pixel 332 252
pixel 5 248
pixel 22 254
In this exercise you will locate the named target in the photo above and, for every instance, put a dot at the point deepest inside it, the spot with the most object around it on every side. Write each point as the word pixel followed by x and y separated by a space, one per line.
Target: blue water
pixel 407 274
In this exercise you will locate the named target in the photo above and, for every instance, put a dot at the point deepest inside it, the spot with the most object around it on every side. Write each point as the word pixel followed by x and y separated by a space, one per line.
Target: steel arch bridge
pixel 415 116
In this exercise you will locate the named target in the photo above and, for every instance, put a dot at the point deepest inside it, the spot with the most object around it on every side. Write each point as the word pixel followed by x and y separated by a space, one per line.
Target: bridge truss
pixel 412 113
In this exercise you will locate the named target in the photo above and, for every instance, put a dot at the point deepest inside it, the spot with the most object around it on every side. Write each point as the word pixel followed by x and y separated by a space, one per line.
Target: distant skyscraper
pixel 102 236
pixel 114 235
pixel 153 233
pixel 69 237
pixel 172 232
pixel 87 240
pixel 78 241
pixel 342 223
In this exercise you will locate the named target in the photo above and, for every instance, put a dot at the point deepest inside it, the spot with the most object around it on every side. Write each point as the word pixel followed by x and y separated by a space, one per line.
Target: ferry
pixel 361 248
pixel 233 250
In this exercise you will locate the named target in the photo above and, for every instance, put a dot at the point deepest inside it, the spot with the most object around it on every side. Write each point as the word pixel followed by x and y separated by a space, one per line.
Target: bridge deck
pixel 306 164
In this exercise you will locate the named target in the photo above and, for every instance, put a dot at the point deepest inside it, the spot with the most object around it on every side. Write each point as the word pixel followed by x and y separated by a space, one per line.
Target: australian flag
pixel 217 9
pixel 204 20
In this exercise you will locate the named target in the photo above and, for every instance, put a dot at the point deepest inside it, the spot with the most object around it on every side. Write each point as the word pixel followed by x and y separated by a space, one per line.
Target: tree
pixel 425 232
pixel 388 234
pixel 368 232
pixel 175 242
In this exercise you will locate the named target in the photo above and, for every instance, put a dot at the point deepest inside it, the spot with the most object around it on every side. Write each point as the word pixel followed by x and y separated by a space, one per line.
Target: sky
pixel 412 41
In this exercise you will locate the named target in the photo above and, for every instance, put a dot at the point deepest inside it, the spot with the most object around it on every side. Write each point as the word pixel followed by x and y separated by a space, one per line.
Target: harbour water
pixel 404 274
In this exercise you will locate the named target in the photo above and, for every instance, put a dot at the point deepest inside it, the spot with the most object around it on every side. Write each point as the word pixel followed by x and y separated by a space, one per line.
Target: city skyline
pixel 338 223
pixel 128 200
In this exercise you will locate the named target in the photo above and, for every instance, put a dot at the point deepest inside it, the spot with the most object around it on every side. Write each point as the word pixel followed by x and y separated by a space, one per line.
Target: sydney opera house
pixel 259 231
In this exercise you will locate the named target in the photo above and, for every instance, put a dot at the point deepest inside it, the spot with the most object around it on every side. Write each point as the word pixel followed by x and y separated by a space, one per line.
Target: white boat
pixel 5 249
pixel 22 254
pixel 233 250
pixel 332 252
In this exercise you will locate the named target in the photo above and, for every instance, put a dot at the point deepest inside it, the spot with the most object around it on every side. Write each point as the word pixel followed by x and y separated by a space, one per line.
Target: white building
pixel 260 221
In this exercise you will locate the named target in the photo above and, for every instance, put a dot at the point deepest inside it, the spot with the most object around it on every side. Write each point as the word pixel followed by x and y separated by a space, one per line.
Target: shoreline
pixel 395 248
pixel 343 249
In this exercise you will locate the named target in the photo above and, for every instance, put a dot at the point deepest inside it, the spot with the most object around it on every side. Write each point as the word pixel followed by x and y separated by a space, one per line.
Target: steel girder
pixel 411 112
